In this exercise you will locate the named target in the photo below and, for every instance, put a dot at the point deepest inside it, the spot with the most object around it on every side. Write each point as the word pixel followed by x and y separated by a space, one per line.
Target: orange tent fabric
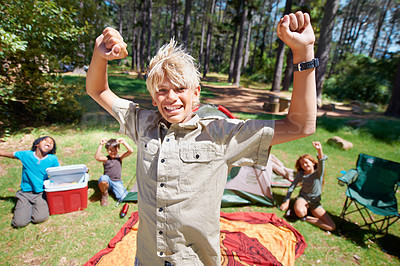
pixel 247 238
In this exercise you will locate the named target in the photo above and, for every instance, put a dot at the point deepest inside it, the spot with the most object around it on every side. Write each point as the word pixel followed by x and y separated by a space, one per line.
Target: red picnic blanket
pixel 247 238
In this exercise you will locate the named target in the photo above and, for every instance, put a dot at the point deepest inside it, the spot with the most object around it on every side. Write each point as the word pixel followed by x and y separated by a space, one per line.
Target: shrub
pixel 362 78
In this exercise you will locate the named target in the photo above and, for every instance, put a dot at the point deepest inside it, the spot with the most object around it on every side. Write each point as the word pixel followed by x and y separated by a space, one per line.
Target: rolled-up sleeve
pixel 249 142
pixel 120 109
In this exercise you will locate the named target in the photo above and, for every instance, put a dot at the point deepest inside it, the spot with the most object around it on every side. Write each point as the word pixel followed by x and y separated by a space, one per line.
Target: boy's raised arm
pixel 98 155
pixel 296 31
pixel 8 154
pixel 108 46
pixel 317 145
pixel 129 149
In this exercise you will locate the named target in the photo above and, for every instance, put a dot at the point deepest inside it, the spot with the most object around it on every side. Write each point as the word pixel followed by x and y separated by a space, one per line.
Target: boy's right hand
pixel 103 141
pixel 284 206
pixel 110 45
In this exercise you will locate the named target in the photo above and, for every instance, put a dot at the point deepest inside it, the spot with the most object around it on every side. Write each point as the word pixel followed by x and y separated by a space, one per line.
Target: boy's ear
pixel 196 94
pixel 154 102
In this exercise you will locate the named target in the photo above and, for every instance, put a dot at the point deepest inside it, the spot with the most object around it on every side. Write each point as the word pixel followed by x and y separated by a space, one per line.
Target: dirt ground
pixel 247 100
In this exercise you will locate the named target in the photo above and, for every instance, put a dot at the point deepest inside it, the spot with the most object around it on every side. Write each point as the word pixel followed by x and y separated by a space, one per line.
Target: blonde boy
pixel 183 160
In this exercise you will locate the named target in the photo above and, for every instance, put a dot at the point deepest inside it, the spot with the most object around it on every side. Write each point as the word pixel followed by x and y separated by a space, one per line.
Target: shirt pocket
pixel 197 165
pixel 149 149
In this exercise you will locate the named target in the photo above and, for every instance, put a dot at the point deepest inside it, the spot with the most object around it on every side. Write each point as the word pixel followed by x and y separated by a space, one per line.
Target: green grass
pixel 73 238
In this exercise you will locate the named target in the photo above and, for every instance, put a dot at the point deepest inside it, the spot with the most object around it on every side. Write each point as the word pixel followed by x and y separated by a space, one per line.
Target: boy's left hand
pixel 317 145
pixel 296 31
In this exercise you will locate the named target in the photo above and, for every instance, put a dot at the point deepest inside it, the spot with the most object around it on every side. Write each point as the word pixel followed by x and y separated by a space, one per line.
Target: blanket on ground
pixel 247 238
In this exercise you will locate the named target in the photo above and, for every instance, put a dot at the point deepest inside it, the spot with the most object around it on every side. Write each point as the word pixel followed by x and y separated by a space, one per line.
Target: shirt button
pixel 162 185
pixel 197 156
pixel 161 253
pixel 160 209
pixel 162 160
pixel 161 232
pixel 167 139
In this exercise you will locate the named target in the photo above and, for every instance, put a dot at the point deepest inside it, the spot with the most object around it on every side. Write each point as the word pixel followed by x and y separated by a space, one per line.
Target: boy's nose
pixel 172 95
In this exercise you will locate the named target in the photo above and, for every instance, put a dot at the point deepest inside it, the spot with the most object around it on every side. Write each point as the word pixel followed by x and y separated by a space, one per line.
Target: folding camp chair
pixel 372 188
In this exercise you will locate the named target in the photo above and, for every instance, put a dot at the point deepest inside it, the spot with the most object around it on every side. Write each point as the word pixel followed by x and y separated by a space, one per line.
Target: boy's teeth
pixel 171 108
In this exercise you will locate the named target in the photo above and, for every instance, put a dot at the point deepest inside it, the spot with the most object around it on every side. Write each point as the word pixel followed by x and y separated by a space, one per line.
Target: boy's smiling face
pixel 112 151
pixel 175 104
pixel 307 165
pixel 45 146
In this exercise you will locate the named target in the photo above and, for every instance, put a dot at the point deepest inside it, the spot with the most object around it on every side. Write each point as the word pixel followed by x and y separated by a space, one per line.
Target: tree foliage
pixel 36 36
pixel 363 78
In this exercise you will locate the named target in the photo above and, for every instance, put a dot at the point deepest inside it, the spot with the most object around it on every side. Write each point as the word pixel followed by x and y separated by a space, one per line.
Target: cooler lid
pixel 66 170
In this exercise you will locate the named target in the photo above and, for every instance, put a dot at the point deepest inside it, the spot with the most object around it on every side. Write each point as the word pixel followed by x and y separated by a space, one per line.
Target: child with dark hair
pixel 31 202
pixel 310 173
pixel 111 179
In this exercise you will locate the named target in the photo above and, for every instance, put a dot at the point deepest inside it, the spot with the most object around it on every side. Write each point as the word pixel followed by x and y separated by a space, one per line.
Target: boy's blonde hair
pixel 174 63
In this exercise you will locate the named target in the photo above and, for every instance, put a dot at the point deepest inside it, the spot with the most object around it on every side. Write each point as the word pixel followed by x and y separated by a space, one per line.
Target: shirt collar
pixel 193 123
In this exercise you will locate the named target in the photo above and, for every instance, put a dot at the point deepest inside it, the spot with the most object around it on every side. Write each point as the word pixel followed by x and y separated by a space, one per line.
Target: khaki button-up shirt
pixel 181 174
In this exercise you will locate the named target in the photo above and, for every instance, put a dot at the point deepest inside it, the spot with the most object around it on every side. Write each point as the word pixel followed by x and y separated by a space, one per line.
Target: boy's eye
pixel 180 89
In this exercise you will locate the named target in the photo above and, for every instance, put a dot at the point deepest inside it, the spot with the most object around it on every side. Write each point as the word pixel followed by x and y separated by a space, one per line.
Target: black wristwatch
pixel 306 65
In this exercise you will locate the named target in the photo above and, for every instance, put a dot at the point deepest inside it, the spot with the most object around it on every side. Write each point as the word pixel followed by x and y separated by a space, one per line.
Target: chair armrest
pixel 348 178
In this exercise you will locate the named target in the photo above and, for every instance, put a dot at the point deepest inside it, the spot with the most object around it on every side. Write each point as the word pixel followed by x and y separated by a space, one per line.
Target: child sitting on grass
pixel 310 173
pixel 183 160
pixel 112 163
pixel 31 201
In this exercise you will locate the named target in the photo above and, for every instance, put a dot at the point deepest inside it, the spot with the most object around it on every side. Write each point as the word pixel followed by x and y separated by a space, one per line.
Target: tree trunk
pixel 262 46
pixel 382 16
pixel 239 50
pixel 254 51
pixel 120 18
pixel 393 108
pixel 288 77
pixel 142 37
pixel 232 57
pixel 133 35
pixel 338 46
pixel 139 39
pixel 148 24
pixel 193 33
pixel 223 48
pixel 247 47
pixel 186 22
pixel 280 54
pixel 173 30
pixel 120 24
pixel 208 43
pixel 324 43
pixel 276 84
pixel 263 21
pixel 271 37
pixel 203 32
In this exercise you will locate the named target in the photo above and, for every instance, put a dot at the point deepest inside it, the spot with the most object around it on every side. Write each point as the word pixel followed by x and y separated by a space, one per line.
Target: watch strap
pixel 306 65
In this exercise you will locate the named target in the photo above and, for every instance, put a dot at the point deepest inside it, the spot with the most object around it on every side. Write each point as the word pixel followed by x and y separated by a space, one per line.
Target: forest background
pixel 357 45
